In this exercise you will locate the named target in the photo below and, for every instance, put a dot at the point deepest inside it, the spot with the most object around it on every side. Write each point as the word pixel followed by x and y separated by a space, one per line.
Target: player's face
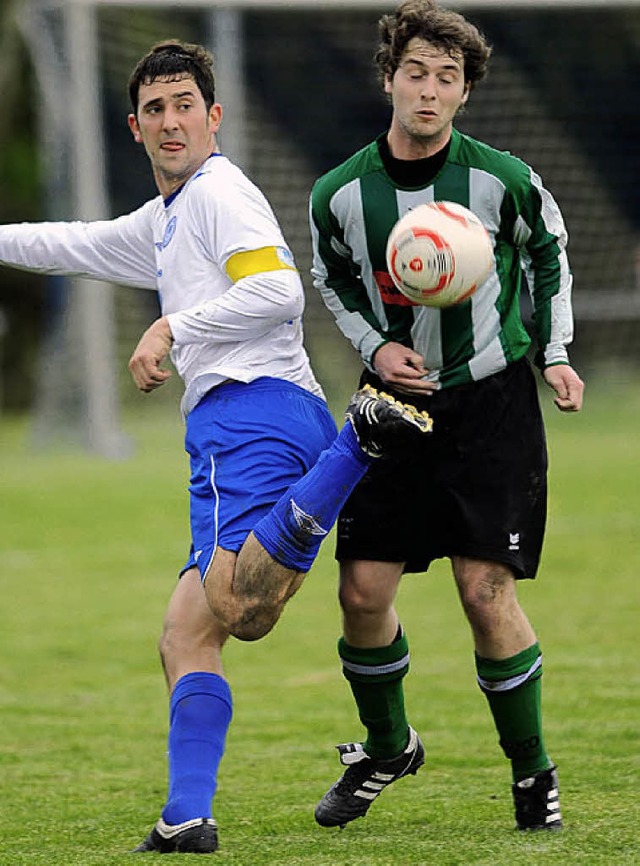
pixel 176 129
pixel 427 90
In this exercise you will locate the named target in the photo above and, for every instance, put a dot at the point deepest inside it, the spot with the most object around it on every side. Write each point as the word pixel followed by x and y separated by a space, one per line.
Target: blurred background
pixel 298 86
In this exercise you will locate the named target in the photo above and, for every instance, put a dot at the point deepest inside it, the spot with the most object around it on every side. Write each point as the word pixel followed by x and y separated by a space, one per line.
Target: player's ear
pixel 387 84
pixel 135 129
pixel 215 117
pixel 465 95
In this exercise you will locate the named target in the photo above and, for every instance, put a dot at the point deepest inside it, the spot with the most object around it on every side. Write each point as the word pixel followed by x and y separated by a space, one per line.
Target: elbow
pixel 288 297
pixel 296 307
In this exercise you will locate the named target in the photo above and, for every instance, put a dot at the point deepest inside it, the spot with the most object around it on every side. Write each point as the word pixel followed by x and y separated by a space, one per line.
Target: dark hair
pixel 443 28
pixel 174 60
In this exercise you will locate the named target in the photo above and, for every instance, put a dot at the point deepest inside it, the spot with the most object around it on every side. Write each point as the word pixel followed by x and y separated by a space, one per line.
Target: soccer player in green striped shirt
pixel 474 491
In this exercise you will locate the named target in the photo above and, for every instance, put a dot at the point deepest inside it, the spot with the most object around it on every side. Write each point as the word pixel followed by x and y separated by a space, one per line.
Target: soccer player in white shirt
pixel 256 418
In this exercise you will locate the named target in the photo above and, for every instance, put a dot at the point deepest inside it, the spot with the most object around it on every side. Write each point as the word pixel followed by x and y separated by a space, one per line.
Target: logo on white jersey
pixel 169 232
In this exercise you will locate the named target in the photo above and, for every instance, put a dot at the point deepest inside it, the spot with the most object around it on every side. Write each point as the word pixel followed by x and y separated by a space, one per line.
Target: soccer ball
pixel 438 254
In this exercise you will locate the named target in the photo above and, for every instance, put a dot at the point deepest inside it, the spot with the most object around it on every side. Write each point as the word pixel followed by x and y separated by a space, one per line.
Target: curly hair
pixel 174 60
pixel 445 29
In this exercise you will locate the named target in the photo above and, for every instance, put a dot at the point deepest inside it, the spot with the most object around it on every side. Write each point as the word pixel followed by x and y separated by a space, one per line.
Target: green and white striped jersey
pixel 352 210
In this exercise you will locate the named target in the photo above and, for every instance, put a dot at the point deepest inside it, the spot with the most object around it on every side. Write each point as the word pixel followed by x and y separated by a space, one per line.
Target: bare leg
pixel 192 637
pixel 248 592
pixel 367 593
pixel 488 594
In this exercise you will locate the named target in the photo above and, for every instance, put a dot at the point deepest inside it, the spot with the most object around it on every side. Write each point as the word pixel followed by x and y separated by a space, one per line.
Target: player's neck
pixel 407 147
pixel 411 172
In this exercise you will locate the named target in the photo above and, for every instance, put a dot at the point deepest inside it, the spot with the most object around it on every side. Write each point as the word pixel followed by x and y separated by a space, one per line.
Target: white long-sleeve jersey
pixel 214 251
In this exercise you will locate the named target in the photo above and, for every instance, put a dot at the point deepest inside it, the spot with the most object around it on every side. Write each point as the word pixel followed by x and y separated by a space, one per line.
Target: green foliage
pixel 89 550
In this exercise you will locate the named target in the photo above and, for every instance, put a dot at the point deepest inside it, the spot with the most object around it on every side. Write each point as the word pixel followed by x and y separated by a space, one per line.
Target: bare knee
pixel 248 593
pixel 179 639
pixel 358 599
pixel 238 619
pixel 191 639
pixel 173 648
pixel 164 647
pixel 258 615
pixel 244 619
pixel 368 587
pixel 253 624
pixel 227 608
pixel 367 593
pixel 487 592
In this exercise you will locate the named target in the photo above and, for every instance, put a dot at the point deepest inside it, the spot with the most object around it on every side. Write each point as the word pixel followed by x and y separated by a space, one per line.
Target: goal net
pixel 298 86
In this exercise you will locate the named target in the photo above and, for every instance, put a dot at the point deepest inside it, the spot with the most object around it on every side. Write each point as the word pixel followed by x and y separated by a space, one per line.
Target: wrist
pixel 162 328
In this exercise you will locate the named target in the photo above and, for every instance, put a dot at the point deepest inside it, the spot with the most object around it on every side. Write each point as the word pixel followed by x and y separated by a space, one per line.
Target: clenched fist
pixel 151 351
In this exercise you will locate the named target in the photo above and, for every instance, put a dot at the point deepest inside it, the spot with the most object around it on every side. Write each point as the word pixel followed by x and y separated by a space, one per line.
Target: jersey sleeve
pixel 250 308
pixel 541 236
pixel 118 251
pixel 338 281
pixel 240 233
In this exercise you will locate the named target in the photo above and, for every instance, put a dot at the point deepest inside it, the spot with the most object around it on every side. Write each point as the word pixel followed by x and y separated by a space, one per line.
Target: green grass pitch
pixel 88 553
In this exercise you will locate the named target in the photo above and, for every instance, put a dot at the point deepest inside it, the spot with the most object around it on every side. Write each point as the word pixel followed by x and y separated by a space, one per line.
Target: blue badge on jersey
pixel 169 232
pixel 285 256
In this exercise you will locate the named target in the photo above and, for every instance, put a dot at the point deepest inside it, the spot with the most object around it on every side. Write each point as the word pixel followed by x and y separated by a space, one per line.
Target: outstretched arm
pixel 119 251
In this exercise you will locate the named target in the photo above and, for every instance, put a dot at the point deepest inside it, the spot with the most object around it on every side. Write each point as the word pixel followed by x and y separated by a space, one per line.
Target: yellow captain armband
pixel 250 262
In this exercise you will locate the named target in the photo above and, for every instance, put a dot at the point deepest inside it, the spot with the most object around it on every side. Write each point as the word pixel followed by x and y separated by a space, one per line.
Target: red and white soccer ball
pixel 438 254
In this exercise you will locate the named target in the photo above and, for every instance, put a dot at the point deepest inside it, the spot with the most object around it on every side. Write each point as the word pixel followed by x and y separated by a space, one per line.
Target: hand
pixel 151 351
pixel 568 387
pixel 403 369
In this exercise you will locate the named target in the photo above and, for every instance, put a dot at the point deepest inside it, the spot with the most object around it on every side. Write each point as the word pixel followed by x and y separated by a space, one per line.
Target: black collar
pixel 411 172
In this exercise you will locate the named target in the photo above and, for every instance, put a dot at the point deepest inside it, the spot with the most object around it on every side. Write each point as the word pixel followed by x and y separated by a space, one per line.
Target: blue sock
pixel 199 716
pixel 294 529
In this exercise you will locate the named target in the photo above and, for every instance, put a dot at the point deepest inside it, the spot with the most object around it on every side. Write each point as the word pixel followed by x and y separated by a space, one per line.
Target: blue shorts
pixel 248 443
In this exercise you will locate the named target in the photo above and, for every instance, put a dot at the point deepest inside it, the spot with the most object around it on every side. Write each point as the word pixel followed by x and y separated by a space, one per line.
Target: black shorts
pixel 476 487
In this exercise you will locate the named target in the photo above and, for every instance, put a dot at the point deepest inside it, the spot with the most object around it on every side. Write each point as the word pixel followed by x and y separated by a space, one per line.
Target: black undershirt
pixel 411 172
